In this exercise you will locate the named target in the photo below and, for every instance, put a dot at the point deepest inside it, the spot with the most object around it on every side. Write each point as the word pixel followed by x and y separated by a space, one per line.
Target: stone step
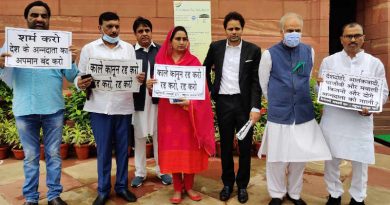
pixel 381 130
pixel 381 120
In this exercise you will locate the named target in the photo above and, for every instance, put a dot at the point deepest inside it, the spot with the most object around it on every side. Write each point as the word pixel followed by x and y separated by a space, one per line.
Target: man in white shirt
pixel 237 94
pixel 110 111
pixel 349 133
pixel 145 116
pixel 292 136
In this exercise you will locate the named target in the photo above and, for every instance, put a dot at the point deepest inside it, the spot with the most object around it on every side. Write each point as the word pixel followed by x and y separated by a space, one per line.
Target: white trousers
pixel 358 189
pixel 277 184
pixel 140 155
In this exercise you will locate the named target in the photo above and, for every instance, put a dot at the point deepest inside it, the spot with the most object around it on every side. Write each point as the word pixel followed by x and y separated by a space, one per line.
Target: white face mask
pixel 110 39
pixel 292 39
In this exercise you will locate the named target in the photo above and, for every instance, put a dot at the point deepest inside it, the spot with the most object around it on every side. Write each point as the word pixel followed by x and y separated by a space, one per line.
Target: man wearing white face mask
pixel 110 111
pixel 292 136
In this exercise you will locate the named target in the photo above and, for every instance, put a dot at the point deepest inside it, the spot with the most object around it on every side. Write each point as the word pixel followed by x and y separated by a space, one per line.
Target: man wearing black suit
pixel 236 91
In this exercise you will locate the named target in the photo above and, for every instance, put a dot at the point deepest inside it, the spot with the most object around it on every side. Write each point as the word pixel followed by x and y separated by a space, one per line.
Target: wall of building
pixel 262 17
pixel 374 16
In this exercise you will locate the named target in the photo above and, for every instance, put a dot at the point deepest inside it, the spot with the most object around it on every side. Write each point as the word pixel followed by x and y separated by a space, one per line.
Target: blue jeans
pixel 28 128
pixel 111 132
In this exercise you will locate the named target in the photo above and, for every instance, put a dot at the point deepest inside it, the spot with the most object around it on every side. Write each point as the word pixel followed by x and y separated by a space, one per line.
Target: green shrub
pixel 74 104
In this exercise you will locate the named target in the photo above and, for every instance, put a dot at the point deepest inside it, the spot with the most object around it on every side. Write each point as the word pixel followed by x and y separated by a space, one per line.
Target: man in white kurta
pixel 349 133
pixel 289 142
pixel 145 115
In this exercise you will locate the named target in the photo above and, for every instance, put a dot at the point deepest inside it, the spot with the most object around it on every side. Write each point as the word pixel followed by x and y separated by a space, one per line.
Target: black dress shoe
pixel 296 201
pixel 242 196
pixel 100 200
pixel 57 201
pixel 127 195
pixel 225 193
pixel 30 203
pixel 275 201
pixel 333 201
pixel 354 202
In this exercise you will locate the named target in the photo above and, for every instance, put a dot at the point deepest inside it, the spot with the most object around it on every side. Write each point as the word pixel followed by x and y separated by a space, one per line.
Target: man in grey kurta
pixel 349 133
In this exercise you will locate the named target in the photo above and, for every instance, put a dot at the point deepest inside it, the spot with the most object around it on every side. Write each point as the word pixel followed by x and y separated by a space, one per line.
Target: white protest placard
pixel 351 92
pixel 173 81
pixel 31 48
pixel 115 75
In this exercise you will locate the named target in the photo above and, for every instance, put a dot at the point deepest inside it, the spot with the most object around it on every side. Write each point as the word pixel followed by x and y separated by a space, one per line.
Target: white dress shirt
pixel 107 102
pixel 137 46
pixel 230 70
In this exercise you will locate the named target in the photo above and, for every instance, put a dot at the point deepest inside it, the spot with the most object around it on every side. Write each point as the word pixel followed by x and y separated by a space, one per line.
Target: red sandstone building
pixel 323 20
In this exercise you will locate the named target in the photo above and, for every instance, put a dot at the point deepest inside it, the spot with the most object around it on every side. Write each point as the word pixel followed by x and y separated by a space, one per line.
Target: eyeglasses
pixel 355 36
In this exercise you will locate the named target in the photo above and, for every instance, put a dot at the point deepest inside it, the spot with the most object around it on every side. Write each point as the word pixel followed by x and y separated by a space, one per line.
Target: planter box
pixel 42 152
pixel 4 151
pixel 82 151
pixel 18 154
pixel 64 149
pixel 149 150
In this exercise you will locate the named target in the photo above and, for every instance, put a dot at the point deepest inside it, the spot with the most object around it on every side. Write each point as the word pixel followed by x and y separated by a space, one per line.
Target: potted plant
pixel 66 141
pixel 80 141
pixel 91 139
pixel 74 104
pixel 317 106
pixel 149 146
pixel 216 128
pixel 258 130
pixel 4 147
pixel 41 146
pixel 217 143
pixel 13 139
pixel 6 117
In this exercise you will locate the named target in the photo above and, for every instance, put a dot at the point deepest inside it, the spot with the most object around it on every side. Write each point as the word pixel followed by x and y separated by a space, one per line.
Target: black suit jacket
pixel 248 75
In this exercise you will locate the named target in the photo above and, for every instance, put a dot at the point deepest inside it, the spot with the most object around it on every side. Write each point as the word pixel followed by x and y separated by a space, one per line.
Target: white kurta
pixel 290 143
pixel 145 122
pixel 348 134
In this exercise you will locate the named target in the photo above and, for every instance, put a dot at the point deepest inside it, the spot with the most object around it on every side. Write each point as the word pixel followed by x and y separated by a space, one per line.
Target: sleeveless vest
pixel 139 98
pixel 289 98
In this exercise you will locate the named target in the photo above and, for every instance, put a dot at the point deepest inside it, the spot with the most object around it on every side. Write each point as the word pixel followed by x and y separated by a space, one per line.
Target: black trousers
pixel 231 116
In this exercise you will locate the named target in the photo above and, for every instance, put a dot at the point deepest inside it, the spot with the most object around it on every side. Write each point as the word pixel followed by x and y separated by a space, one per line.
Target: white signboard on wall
pixel 195 16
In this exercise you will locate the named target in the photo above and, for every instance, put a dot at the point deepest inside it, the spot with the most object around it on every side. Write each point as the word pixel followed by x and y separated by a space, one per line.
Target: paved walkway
pixel 79 178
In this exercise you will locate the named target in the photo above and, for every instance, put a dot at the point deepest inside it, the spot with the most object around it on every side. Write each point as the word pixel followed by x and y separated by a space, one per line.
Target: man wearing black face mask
pixel 292 136
pixel 110 111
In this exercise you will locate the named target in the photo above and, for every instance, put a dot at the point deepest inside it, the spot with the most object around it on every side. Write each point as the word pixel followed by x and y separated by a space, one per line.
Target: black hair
pixel 107 16
pixel 36 3
pixel 141 21
pixel 349 25
pixel 233 16
pixel 176 29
